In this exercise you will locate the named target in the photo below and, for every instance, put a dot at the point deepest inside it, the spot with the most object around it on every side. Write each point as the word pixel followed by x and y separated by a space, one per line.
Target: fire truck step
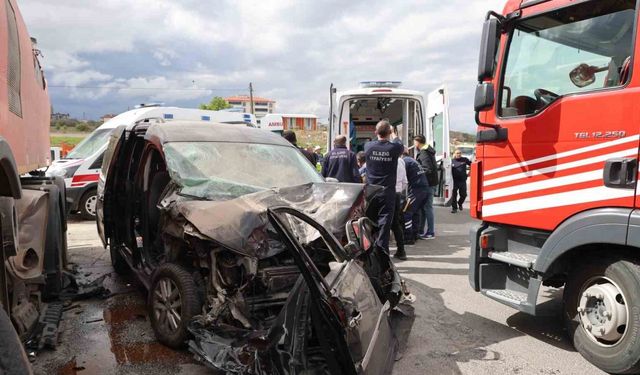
pixel 510 297
pixel 523 260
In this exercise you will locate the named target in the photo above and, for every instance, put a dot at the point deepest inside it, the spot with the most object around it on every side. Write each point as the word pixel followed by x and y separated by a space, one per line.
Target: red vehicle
pixel 555 179
pixel 32 216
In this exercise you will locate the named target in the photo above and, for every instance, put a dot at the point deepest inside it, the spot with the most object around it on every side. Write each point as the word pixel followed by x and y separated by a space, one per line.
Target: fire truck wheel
pixel 87 205
pixel 13 359
pixel 602 313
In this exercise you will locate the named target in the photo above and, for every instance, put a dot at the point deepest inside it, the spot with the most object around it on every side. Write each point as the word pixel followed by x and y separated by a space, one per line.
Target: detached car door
pixel 349 316
pixel 106 180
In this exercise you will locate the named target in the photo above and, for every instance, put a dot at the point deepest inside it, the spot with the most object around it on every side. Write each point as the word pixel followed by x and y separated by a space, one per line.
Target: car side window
pixel 114 139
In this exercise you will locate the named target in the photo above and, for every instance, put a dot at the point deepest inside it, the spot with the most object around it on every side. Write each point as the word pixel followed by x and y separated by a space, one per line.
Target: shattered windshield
pixel 90 145
pixel 218 170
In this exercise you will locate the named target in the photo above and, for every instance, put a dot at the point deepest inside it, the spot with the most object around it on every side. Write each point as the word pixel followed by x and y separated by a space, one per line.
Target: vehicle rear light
pixel 382 90
pixel 476 190
pixel 484 241
pixel 446 191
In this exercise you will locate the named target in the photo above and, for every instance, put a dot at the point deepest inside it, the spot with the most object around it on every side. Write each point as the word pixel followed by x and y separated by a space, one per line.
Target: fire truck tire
pixel 13 360
pixel 87 206
pixel 601 312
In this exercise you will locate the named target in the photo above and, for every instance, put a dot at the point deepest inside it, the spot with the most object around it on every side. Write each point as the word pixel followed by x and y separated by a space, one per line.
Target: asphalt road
pixel 459 331
pixel 456 330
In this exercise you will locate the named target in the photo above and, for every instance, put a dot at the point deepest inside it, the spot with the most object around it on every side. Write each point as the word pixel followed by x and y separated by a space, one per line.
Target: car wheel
pixel 118 262
pixel 87 205
pixel 173 302
pixel 601 300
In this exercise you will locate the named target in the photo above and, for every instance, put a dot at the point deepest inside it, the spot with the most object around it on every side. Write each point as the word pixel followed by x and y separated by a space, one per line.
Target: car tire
pixel 588 310
pixel 118 262
pixel 173 301
pixel 87 201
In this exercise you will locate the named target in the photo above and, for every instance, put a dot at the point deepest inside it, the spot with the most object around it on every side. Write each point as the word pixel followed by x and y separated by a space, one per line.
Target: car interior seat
pixel 524 105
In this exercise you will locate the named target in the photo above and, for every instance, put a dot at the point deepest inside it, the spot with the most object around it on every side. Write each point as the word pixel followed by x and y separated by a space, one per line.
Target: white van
pixel 355 114
pixel 81 167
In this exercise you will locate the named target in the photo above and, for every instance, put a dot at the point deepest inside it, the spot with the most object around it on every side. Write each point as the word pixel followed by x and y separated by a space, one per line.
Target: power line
pixel 147 88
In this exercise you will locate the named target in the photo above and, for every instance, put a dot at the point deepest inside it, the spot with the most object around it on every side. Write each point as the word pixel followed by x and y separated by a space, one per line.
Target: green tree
pixel 216 104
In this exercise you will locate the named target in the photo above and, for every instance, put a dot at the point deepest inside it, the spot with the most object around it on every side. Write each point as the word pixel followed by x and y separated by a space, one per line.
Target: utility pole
pixel 253 111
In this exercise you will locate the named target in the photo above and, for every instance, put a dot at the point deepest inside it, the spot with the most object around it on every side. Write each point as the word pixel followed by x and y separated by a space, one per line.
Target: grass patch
pixel 66 140
pixel 312 138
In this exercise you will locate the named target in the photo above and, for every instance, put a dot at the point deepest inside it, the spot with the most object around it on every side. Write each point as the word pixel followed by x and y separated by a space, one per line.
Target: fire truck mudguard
pixel 633 234
pixel 600 226
pixel 9 179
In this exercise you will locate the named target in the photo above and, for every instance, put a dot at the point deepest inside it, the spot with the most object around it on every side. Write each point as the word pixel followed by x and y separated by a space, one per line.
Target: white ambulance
pixel 81 167
pixel 356 112
pixel 272 122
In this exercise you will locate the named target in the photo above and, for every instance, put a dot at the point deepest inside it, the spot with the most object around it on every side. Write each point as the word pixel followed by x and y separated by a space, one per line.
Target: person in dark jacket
pixel 427 159
pixel 459 172
pixel 290 136
pixel 340 163
pixel 382 163
pixel 416 199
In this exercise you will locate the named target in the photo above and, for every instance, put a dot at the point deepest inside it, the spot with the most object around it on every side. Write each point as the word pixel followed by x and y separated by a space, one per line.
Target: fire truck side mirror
pixel 484 97
pixel 488 49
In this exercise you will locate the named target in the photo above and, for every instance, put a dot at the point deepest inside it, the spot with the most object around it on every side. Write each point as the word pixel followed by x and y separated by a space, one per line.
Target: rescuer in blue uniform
pixel 459 171
pixel 417 197
pixel 340 163
pixel 382 163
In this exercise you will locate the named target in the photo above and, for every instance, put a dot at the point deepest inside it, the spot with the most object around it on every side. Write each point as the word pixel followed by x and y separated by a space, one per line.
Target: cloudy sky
pixel 104 56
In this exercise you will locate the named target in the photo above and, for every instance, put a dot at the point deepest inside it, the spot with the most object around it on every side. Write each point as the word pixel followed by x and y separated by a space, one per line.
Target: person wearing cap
pixel 381 157
pixel 340 163
pixel 427 159
pixel 318 153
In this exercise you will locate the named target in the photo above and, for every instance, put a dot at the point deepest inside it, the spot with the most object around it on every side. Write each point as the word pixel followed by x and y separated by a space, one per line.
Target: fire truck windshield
pixel 576 49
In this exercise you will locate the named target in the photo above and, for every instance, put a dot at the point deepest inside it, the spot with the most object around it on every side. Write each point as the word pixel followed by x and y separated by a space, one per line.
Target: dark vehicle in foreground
pixel 247 251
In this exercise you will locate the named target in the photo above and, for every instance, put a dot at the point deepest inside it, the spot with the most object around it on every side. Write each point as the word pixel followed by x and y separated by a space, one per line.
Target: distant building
pixel 262 106
pixel 59 116
pixel 107 117
pixel 299 122
pixel 279 122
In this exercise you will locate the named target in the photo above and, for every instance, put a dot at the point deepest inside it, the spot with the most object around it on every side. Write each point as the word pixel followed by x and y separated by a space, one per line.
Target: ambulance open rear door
pixel 438 136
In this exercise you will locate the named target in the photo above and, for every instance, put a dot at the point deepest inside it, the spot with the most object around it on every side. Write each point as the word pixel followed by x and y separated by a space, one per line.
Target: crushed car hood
pixel 235 223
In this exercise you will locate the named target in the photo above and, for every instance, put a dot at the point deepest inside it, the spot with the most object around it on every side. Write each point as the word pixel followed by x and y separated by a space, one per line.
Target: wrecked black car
pixel 247 253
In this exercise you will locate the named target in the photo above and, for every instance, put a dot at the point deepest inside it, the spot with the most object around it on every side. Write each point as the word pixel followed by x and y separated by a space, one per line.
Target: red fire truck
pixel 555 177
pixel 32 207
